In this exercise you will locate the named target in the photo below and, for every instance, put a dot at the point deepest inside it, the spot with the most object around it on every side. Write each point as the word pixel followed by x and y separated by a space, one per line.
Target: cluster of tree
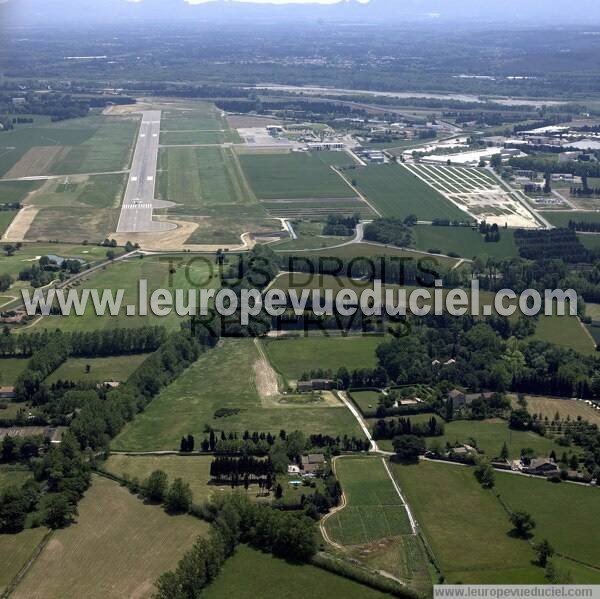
pixel 6 206
pixel 187 444
pixel 392 231
pixel 57 105
pixel 10 249
pixel 336 444
pixel 486 356
pixel 6 282
pixel 22 449
pixel 292 108
pixel 253 270
pixel 552 165
pixel 103 415
pixel 37 276
pixel 498 405
pixel 532 188
pixel 61 476
pixel 30 384
pixel 177 497
pixel 318 503
pixel 445 222
pixel 90 344
pixel 242 470
pixel 491 233
pixel 585 192
pixel 16 503
pixel 585 226
pixel 344 378
pixel 341 225
pixel 288 535
pixel 554 243
pixel 235 520
pixel 389 429
pixel 408 448
pixel 258 444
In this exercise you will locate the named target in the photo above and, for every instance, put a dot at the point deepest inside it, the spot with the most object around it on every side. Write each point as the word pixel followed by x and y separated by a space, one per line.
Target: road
pixel 139 202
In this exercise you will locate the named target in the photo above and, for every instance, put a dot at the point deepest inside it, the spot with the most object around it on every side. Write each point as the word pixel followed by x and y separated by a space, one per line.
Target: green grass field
pixel 16 191
pixel 366 400
pixel 565 514
pixel 195 178
pixel 173 138
pixel 374 510
pixel 561 219
pixel 11 368
pixel 294 356
pixel 465 526
pixel 463 241
pixel 6 217
pixel 194 470
pixel 250 574
pixel 15 551
pixel 357 250
pixel 492 434
pixel 397 192
pixel 197 116
pixel 189 273
pixel 591 242
pixel 564 331
pixel 117 368
pixel 297 175
pixel 188 405
pixel 13 475
pixel 93 144
pixel 118 548
pixel 30 252
pixel 109 148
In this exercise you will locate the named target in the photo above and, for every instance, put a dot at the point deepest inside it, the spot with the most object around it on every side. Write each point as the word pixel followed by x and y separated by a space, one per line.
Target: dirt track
pixel 264 375
pixel 17 230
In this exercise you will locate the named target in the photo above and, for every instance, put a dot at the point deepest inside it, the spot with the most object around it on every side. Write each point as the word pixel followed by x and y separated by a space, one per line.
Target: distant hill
pixel 522 12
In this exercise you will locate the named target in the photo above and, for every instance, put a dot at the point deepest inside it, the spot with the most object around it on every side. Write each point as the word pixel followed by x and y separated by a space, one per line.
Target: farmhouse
pixel 7 393
pixel 460 399
pixel 539 467
pixel 313 463
pixel 314 385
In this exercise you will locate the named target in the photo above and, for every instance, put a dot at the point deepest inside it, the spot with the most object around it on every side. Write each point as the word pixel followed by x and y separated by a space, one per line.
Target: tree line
pixel 90 344
pixel 389 429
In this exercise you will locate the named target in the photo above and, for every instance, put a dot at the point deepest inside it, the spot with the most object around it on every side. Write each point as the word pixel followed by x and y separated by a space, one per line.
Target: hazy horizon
pixel 397 12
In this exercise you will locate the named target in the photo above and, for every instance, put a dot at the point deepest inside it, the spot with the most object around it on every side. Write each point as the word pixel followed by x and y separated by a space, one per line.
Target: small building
pixel 463 450
pixel 540 467
pixel 7 393
pixel 314 385
pixel 293 469
pixel 461 399
pixel 458 398
pixel 313 463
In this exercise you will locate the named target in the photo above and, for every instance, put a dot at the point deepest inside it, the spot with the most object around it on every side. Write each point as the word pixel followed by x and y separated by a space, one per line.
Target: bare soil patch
pixel 239 121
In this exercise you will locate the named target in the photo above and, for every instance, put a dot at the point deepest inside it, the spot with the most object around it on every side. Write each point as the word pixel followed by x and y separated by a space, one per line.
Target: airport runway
pixel 139 202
